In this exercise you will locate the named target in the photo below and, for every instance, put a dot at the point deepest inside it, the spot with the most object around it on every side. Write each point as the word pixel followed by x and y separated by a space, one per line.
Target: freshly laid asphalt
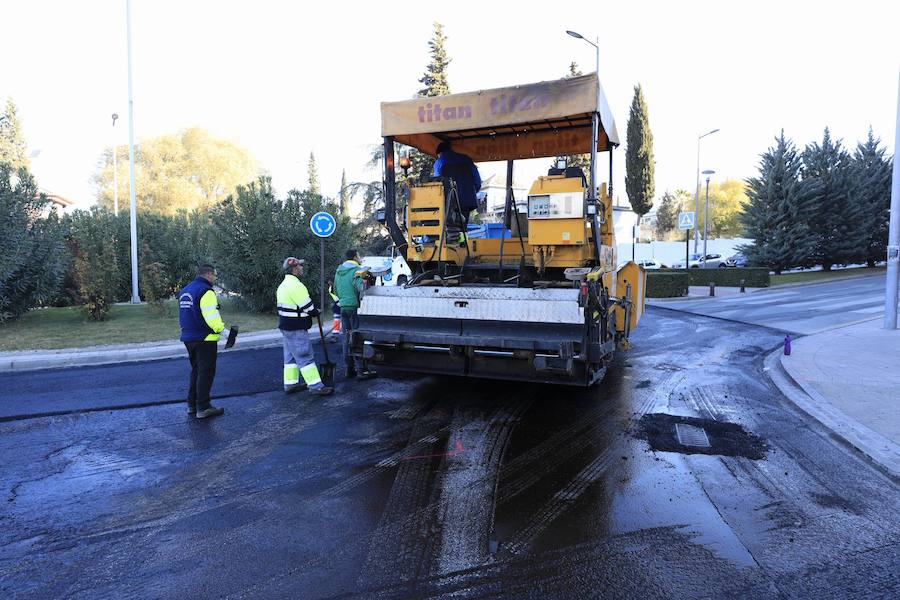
pixel 411 486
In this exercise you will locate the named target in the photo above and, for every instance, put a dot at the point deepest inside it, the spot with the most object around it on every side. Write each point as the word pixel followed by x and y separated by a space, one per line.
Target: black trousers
pixel 203 370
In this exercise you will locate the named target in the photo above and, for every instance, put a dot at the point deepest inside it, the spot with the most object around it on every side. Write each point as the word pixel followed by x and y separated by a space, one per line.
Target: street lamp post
pixel 893 250
pixel 708 173
pixel 115 169
pixel 135 298
pixel 595 120
pixel 697 190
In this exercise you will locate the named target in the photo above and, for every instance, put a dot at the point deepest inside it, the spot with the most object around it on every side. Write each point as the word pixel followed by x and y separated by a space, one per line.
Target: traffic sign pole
pixel 322 225
pixel 322 273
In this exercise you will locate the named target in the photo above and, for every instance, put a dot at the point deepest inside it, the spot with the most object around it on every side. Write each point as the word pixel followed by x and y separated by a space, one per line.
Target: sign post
pixel 322 225
pixel 686 223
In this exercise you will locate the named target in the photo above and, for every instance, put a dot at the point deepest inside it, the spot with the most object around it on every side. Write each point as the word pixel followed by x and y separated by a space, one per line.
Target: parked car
pixel 651 264
pixel 694 262
pixel 738 260
pixel 712 261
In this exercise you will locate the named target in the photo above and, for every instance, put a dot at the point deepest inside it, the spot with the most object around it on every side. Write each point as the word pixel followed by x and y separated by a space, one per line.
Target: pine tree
pixel 775 216
pixel 435 80
pixel 313 173
pixel 13 149
pixel 639 162
pixel 435 77
pixel 344 195
pixel 831 216
pixel 582 161
pixel 870 190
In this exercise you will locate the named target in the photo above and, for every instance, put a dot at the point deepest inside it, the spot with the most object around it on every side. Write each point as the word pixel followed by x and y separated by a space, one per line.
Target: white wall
pixel 670 252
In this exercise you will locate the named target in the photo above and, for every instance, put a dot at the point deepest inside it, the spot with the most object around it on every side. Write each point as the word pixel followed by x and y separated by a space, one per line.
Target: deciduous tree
pixel 173 172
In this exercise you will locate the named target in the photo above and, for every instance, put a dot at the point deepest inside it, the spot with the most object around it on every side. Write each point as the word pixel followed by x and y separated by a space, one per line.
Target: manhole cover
pixel 689 435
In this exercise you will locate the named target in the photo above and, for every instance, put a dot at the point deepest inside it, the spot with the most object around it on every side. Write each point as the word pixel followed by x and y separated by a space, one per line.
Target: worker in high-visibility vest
pixel 295 313
pixel 201 324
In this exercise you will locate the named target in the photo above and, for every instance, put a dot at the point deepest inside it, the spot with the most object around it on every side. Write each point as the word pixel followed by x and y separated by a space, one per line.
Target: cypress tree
pixel 344 195
pixel 639 162
pixel 870 190
pixel 831 216
pixel 313 173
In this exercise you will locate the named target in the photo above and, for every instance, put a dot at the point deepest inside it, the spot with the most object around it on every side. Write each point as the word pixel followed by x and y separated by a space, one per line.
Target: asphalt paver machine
pixel 543 303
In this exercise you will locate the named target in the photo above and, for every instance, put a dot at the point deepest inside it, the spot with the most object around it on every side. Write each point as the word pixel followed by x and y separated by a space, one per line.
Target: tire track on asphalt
pixel 468 486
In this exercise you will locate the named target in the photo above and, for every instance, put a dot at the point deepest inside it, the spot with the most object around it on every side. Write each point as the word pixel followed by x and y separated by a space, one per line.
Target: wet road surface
pixel 435 487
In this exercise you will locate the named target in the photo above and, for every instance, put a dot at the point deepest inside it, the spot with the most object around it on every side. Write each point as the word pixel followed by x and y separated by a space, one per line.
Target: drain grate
pixel 689 435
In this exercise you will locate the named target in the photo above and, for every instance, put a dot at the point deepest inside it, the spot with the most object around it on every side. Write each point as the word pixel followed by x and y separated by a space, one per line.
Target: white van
pixel 387 270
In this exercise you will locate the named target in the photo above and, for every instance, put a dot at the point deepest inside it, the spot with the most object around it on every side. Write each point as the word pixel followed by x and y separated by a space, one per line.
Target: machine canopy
pixel 548 118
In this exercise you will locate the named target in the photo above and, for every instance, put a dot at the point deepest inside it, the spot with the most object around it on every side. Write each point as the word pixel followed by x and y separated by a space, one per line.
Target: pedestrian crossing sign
pixel 686 220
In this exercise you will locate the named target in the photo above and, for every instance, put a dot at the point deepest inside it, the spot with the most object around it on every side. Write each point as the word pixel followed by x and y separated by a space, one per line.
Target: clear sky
pixel 283 78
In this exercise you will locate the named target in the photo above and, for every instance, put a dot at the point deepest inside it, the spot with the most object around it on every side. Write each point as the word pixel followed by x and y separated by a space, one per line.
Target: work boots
pixel 210 411
pixel 322 391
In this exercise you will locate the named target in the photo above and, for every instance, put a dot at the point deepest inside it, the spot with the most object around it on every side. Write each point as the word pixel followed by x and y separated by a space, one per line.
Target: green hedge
pixel 666 284
pixel 729 277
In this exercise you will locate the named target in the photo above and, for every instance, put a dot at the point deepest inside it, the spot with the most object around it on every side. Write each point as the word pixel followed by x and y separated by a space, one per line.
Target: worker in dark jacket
pixel 463 171
pixel 349 281
pixel 201 323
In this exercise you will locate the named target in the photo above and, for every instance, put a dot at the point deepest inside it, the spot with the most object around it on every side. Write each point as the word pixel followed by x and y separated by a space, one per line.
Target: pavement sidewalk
pixel 696 292
pixel 31 360
pixel 848 379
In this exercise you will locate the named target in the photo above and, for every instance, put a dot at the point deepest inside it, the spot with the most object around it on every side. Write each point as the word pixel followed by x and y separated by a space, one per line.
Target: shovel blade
pixel 327 374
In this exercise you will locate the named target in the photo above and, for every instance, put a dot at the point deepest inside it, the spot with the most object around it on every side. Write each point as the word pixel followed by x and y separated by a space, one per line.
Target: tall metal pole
pixel 706 219
pixel 115 170
pixel 893 249
pixel 697 196
pixel 697 186
pixel 135 298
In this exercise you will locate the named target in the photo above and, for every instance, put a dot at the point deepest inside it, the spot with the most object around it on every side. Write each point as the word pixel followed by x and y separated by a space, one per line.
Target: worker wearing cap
pixel 349 280
pixel 295 312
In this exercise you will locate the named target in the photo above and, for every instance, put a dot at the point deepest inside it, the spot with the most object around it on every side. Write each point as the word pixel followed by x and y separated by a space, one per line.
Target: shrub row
pixel 672 284
pixel 753 277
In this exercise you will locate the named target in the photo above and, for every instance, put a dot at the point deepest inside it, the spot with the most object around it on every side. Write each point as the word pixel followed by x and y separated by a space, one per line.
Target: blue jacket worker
pixel 295 313
pixel 201 323
pixel 463 171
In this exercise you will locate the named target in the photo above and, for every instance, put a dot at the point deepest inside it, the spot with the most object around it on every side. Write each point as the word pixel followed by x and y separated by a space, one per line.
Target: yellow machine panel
pixel 636 276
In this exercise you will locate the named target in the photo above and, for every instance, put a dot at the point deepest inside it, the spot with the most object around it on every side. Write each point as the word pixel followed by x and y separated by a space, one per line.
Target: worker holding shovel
pixel 295 314
pixel 348 282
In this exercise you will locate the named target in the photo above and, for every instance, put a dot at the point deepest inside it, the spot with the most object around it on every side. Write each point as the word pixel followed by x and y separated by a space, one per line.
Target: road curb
pixel 59 359
pixel 878 450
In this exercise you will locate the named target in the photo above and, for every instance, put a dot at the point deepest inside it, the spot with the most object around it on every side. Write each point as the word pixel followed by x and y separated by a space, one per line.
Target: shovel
pixel 328 366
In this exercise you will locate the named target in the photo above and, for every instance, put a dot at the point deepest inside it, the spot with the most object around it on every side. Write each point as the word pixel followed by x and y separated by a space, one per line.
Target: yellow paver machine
pixel 543 303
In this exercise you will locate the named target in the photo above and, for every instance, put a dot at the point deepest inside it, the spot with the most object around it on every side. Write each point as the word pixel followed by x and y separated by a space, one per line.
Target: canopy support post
pixel 390 198
pixel 592 193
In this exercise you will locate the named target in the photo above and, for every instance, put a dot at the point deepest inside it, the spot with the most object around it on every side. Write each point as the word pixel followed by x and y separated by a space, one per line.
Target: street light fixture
pixel 708 173
pixel 697 189
pixel 115 169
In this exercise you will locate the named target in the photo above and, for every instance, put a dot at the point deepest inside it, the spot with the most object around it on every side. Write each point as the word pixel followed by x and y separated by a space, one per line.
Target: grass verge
pixel 52 328
pixel 804 276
